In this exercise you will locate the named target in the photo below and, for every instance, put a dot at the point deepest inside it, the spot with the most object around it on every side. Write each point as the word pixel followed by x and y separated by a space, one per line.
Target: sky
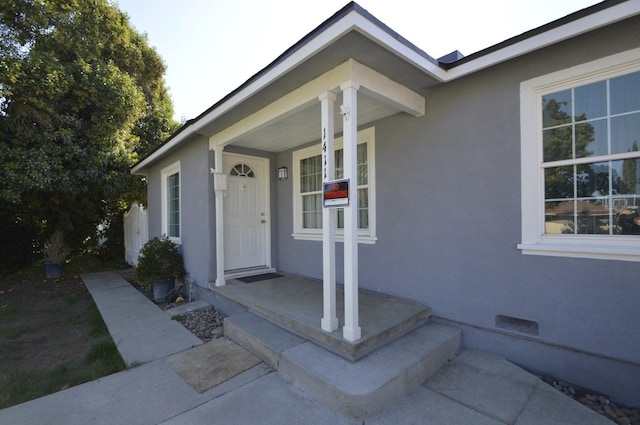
pixel 211 47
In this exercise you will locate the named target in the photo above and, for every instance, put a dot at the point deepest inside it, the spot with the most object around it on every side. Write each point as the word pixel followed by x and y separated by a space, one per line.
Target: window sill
pixel 368 240
pixel 177 241
pixel 593 251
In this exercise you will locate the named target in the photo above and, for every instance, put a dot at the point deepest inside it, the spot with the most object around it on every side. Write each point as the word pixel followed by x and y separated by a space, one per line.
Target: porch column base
pixel 329 325
pixel 220 282
pixel 352 334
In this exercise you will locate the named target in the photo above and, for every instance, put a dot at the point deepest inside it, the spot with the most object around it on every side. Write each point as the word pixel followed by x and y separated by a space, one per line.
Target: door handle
pixel 263 221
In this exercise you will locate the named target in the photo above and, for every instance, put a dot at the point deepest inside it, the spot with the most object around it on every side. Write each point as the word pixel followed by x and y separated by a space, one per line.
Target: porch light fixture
pixel 283 173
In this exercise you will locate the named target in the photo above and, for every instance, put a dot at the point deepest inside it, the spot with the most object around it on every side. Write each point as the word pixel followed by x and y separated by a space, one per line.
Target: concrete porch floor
pixel 295 304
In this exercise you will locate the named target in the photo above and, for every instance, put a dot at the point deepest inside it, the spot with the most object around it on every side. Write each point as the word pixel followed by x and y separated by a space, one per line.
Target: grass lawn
pixel 51 334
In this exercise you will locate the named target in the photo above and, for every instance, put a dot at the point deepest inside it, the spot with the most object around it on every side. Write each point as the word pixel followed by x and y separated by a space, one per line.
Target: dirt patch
pixel 46 323
pixel 52 336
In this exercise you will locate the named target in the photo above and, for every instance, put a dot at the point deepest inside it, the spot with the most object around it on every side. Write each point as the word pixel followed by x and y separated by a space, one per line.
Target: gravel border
pixel 205 323
pixel 599 403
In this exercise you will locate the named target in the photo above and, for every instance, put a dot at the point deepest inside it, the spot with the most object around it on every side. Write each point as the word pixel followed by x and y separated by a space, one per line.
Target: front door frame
pixel 266 188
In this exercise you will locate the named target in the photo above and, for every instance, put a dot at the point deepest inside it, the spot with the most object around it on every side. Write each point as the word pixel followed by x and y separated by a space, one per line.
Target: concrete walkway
pixel 475 388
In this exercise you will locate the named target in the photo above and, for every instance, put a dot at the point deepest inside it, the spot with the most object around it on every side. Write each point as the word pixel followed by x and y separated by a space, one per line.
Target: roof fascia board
pixel 394 44
pixel 560 33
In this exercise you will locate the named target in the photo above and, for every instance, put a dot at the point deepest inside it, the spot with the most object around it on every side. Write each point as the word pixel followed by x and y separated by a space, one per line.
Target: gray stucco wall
pixel 449 220
pixel 195 203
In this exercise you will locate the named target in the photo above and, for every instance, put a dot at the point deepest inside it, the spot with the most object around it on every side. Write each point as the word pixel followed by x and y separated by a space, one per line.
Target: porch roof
pixel 354 34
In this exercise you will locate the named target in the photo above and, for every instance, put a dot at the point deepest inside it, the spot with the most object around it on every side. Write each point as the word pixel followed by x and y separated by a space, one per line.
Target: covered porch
pixel 340 101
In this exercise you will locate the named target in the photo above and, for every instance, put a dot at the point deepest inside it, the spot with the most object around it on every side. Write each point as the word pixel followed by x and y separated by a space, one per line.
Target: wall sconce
pixel 283 173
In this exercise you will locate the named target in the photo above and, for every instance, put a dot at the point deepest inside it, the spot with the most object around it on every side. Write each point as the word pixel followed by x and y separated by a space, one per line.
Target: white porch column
pixel 351 330
pixel 220 187
pixel 329 320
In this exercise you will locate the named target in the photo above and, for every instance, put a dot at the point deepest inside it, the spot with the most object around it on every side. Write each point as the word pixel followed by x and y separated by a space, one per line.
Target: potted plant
pixel 55 253
pixel 159 265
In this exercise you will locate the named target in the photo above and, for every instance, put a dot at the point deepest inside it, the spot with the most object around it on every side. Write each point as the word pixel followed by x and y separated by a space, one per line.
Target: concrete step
pixel 295 304
pixel 358 389
pixel 261 337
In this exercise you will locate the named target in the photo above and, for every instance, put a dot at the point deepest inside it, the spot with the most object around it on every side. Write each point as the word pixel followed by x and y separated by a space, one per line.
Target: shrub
pixel 159 259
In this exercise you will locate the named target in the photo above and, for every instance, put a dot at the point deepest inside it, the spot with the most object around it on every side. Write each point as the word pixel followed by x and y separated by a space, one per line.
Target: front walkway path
pixel 475 388
pixel 141 330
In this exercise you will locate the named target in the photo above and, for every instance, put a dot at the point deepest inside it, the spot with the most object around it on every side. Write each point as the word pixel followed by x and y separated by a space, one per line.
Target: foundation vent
pixel 513 324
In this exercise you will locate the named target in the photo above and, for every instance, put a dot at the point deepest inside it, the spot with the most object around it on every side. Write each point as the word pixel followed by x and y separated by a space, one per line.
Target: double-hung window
pixel 581 160
pixel 171 202
pixel 307 187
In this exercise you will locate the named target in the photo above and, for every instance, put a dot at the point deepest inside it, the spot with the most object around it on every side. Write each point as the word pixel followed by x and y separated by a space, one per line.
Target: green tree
pixel 82 98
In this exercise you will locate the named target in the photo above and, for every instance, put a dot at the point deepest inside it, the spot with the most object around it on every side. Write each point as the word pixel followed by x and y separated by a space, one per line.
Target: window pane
pixel 626 196
pixel 339 164
pixel 362 164
pixel 363 209
pixel 592 180
pixel 557 143
pixel 559 217
pixel 558 182
pixel 311 174
pixel 592 217
pixel 173 205
pixel 312 211
pixel 625 93
pixel 626 177
pixel 591 101
pixel 625 133
pixel 591 139
pixel 627 221
pixel 556 108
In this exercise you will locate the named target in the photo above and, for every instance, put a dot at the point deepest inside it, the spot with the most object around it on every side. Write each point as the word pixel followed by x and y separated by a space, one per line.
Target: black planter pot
pixel 163 290
pixel 53 269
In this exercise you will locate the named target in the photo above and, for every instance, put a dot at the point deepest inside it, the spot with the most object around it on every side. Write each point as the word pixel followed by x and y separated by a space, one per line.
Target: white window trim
pixel 534 240
pixel 365 236
pixel 165 173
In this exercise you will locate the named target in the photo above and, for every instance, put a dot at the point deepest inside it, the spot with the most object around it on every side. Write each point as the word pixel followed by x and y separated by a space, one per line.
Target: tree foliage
pixel 82 97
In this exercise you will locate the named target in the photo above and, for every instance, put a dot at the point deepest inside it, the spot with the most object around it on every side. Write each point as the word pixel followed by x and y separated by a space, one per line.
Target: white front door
pixel 246 212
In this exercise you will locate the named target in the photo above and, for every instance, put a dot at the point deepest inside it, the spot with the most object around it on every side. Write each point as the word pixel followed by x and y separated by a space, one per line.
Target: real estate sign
pixel 335 193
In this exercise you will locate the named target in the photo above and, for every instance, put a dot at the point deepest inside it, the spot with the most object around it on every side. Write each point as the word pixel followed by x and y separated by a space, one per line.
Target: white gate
pixel 136 232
